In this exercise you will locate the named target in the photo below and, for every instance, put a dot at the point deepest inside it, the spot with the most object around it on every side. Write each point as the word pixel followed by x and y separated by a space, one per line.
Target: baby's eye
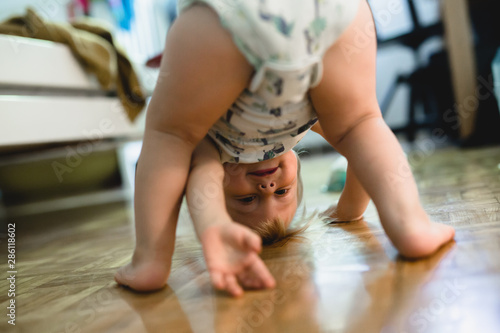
pixel 283 191
pixel 247 199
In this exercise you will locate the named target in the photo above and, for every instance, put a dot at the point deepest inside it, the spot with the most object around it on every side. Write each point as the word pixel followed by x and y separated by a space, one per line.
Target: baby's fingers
pixel 217 280
pixel 262 273
pixel 232 286
pixel 253 242
pixel 243 238
pixel 226 282
pixel 250 281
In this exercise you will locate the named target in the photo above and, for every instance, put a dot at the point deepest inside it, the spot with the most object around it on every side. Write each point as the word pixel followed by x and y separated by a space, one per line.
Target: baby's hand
pixel 231 253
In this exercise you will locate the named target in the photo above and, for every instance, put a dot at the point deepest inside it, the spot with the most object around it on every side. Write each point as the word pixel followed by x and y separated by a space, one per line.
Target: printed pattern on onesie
pixel 285 41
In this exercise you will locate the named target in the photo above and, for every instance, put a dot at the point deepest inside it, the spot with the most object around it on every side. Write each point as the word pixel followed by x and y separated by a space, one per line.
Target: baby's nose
pixel 267 186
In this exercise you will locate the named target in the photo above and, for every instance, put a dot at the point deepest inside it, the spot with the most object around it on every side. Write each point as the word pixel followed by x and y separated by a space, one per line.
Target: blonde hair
pixel 274 232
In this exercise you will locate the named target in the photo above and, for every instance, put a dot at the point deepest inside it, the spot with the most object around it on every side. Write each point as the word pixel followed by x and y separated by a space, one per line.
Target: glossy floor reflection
pixel 339 278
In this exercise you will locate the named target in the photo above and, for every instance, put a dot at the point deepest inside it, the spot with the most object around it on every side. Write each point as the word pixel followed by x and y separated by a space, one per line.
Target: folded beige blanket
pixel 93 46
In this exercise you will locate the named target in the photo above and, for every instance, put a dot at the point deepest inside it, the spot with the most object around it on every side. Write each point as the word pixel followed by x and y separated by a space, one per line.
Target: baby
pixel 242 82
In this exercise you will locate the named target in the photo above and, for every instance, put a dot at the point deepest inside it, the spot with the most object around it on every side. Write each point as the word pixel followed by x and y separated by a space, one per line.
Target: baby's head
pixel 265 195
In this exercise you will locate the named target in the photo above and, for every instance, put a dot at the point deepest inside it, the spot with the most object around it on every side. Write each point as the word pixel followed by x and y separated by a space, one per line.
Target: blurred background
pixel 68 140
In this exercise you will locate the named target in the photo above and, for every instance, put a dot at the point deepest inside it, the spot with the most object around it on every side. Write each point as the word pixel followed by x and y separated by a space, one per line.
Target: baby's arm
pixel 353 200
pixel 204 192
pixel 348 112
pixel 230 249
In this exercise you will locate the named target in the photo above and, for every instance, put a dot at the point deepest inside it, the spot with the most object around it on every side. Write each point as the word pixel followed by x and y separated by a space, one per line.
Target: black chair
pixel 419 80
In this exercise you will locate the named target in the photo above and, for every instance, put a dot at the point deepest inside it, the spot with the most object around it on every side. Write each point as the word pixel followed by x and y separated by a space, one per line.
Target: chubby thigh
pixel 200 77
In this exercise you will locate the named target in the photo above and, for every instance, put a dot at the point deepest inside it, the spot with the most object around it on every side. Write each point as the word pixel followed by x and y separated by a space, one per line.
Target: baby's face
pixel 262 191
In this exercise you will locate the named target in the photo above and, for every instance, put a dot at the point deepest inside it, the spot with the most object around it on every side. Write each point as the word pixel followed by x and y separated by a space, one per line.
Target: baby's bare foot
pixel 143 275
pixel 422 240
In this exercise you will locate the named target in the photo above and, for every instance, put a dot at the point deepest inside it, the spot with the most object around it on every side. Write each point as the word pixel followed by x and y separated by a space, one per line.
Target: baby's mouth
pixel 264 172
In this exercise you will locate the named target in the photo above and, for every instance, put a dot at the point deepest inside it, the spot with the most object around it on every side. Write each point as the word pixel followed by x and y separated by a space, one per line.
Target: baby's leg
pixel 348 112
pixel 201 74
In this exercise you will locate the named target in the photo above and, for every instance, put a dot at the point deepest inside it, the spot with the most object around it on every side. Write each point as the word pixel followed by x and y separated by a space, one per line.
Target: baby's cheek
pixel 233 174
pixel 233 169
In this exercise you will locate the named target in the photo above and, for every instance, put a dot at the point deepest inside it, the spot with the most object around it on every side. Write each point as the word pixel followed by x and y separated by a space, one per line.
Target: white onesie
pixel 285 41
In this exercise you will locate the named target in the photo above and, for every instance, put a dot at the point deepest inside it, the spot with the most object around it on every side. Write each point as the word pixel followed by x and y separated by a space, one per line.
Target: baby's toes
pixel 123 276
pixel 447 231
pixel 444 233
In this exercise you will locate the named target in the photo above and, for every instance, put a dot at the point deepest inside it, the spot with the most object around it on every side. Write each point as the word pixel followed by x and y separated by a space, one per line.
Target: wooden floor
pixel 341 278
